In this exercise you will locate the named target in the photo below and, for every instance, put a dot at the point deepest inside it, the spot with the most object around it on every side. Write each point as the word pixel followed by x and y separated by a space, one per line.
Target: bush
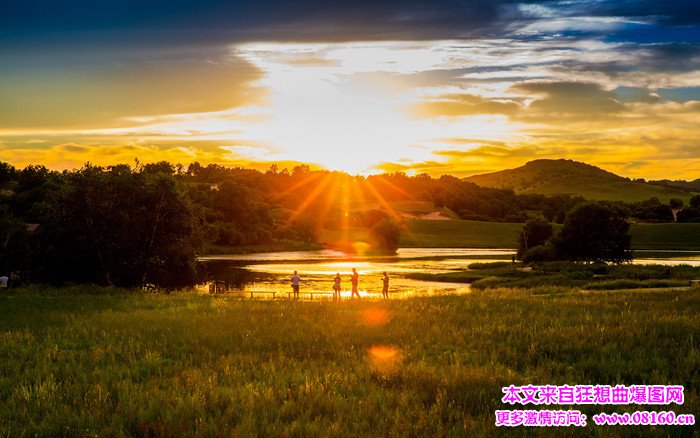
pixel 539 253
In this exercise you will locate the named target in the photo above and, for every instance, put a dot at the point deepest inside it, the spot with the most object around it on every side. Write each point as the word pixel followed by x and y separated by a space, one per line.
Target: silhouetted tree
pixel 676 203
pixel 536 231
pixel 121 228
pixel 386 234
pixel 695 201
pixel 594 232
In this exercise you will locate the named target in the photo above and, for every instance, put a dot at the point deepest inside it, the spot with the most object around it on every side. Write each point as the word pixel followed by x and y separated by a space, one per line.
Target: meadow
pixel 90 361
pixel 476 234
pixel 594 276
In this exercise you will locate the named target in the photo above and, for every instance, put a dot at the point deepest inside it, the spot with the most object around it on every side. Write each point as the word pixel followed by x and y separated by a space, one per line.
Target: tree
pixel 594 232
pixel 688 215
pixel 695 201
pixel 121 228
pixel 386 234
pixel 536 231
pixel 675 203
pixel 12 241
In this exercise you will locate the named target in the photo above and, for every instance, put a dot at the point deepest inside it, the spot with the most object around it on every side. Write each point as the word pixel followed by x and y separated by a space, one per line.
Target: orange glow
pixel 375 316
pixel 384 360
pixel 309 199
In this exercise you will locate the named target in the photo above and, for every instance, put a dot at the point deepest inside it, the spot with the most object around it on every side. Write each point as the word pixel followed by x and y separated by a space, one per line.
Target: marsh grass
pixel 84 361
pixel 567 274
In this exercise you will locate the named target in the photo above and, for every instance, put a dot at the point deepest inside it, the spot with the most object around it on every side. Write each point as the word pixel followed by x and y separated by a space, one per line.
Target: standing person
pixel 385 288
pixel 336 286
pixel 355 279
pixel 295 285
pixel 3 281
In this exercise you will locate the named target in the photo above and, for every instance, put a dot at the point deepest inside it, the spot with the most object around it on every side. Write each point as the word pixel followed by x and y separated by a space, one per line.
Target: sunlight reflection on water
pixel 270 272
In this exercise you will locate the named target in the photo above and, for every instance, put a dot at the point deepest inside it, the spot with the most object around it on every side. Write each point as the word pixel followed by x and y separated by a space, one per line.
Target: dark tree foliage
pixel 385 235
pixel 536 232
pixel 676 203
pixel 688 215
pixel 594 232
pixel 695 201
pixel 116 227
pixel 651 210
pixel 13 241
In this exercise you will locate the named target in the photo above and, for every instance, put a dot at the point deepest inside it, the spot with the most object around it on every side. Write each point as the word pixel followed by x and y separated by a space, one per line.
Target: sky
pixel 456 87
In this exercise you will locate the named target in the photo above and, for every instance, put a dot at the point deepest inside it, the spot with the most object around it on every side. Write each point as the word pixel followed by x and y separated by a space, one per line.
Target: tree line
pixel 144 224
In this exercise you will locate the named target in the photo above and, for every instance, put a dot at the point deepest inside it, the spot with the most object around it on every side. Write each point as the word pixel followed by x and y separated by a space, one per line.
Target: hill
pixel 685 185
pixel 562 176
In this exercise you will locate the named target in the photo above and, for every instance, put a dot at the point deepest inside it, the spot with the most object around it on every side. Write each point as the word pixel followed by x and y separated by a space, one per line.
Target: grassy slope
pixel 459 233
pixel 568 177
pixel 666 236
pixel 187 364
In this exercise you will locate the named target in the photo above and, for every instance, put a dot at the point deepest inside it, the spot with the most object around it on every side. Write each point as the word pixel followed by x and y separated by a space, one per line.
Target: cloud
pixel 455 105
pixel 105 153
pixel 577 99
pixel 212 21
pixel 98 94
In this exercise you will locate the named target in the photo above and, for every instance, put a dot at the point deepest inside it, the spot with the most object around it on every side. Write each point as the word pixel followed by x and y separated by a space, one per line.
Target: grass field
pixel 666 236
pixel 90 362
pixel 460 233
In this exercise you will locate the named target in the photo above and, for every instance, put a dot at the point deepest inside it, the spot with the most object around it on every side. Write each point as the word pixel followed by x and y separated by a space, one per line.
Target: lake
pixel 265 273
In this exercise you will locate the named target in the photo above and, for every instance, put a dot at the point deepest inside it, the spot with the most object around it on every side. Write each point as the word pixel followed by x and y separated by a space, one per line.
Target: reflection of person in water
pixel 355 279
pixel 336 286
pixel 385 288
pixel 295 285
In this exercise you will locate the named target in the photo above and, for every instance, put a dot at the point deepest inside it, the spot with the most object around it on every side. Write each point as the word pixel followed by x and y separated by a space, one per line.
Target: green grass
pixel 566 274
pixel 666 236
pixel 84 362
pixel 460 234
pixel 474 234
pixel 283 245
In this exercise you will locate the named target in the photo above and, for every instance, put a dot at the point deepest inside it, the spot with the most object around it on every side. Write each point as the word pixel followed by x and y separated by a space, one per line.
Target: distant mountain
pixel 551 177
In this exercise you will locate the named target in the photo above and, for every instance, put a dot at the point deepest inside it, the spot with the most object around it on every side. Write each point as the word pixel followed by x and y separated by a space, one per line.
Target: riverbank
pixel 567 274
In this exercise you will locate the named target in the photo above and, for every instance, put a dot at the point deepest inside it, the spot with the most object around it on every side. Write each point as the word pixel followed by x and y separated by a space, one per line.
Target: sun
pixel 325 115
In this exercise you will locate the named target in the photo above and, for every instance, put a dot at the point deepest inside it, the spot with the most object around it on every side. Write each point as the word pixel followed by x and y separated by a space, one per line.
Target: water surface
pixel 268 273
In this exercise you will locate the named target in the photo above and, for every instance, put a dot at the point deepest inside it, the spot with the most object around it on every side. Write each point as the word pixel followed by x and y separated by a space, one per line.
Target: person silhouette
pixel 355 280
pixel 385 287
pixel 295 285
pixel 336 286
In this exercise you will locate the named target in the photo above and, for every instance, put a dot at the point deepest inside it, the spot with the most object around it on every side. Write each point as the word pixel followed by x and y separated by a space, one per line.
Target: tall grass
pixel 77 362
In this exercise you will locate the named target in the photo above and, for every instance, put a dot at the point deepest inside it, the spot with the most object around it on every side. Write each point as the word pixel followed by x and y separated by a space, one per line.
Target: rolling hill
pixel 562 176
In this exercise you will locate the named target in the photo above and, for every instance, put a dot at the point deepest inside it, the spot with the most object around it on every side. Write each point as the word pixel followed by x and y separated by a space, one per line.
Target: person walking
pixel 3 281
pixel 355 280
pixel 385 287
pixel 295 285
pixel 336 286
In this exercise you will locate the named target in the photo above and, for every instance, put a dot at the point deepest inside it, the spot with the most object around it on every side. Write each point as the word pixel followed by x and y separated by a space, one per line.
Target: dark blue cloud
pixel 245 20
pixel 179 21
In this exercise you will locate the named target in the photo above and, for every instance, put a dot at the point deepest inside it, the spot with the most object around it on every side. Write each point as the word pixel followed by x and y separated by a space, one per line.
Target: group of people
pixel 354 281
